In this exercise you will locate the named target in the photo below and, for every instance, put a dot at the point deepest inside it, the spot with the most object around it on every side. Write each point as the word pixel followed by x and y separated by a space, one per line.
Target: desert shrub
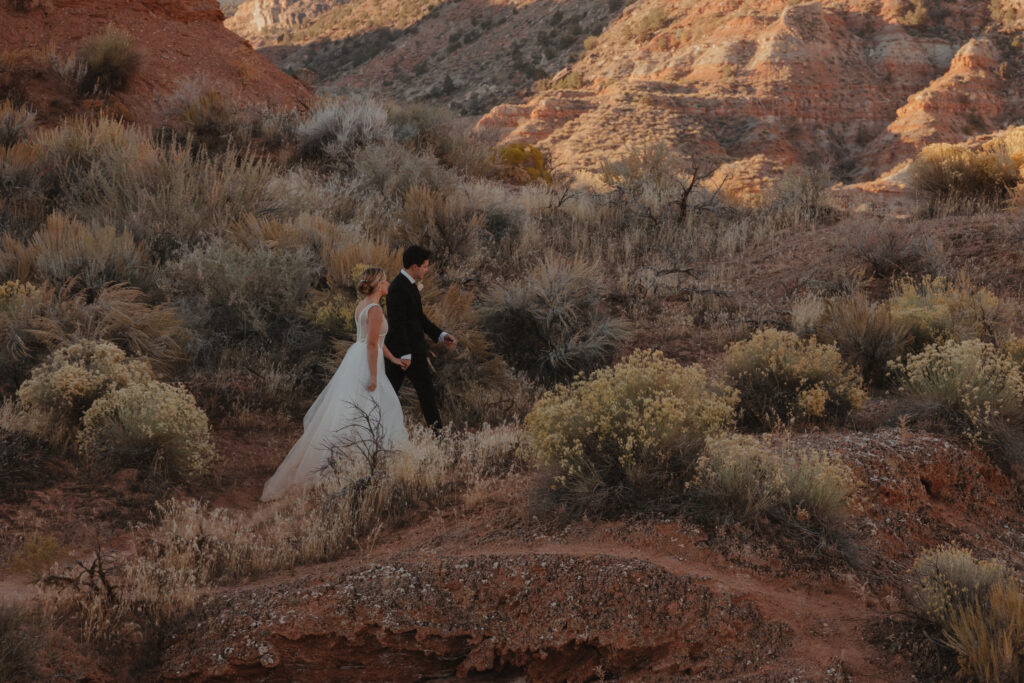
pixel 69 253
pixel 337 128
pixel 522 164
pixel 797 199
pixel 948 578
pixel 19 648
pixel 783 379
pixel 989 639
pixel 444 222
pixel 24 335
pixel 865 334
pixel 552 323
pixel 979 608
pixel 38 553
pixel 392 170
pixel 16 123
pixel 951 174
pixel 70 380
pixel 111 59
pixel 122 315
pixel 628 435
pixel 167 197
pixel 152 425
pixel 742 477
pixel 207 116
pixel 335 315
pixel 939 308
pixel 889 250
pixel 230 295
pixel 439 132
pixel 474 386
pixel 971 382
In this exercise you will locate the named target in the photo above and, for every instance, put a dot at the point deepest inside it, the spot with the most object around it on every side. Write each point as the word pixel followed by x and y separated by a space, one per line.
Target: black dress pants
pixel 419 374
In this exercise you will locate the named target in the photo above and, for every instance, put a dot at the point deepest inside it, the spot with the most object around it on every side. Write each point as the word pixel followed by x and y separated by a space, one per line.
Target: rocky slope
pixel 181 43
pixel 858 85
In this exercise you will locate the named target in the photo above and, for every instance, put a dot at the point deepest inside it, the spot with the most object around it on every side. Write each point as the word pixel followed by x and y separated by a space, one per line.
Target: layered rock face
pixel 254 18
pixel 838 83
pixel 182 45
pixel 857 85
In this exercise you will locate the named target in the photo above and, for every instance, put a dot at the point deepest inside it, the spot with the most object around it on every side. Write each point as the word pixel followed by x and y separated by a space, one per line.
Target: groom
pixel 408 328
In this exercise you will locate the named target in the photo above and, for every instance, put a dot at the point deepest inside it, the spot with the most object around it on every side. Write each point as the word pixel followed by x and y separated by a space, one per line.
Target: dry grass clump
pixel 890 250
pixel 19 647
pixel 68 252
pixel 865 333
pixel 16 123
pixel 972 384
pixel 194 547
pixel 552 323
pixel 939 308
pixel 168 196
pixel 627 436
pixel 952 175
pixel 68 382
pixel 979 608
pixel 343 257
pixel 111 59
pixel 784 380
pixel 744 479
pixel 152 425
pixel 26 332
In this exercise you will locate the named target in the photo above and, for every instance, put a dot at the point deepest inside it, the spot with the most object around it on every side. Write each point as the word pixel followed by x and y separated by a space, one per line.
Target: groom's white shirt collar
pixel 408 277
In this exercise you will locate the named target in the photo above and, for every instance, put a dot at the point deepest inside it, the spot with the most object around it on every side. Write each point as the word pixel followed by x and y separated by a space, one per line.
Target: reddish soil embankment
pixel 181 43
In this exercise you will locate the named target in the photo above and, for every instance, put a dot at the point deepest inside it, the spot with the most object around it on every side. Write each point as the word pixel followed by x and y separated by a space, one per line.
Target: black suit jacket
pixel 408 326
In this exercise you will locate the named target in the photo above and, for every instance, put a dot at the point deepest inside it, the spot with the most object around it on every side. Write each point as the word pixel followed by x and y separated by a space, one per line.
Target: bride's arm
pixel 375 319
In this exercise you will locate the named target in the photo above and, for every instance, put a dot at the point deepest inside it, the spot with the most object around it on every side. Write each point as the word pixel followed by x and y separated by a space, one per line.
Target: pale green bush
pixel 618 438
pixel 744 478
pixel 936 309
pixel 979 607
pixel 152 425
pixel 975 383
pixel 337 128
pixel 783 379
pixel 73 378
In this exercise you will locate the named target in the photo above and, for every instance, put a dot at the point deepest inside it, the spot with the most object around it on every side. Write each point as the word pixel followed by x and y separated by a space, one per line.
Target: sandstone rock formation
pixel 857 85
pixel 181 44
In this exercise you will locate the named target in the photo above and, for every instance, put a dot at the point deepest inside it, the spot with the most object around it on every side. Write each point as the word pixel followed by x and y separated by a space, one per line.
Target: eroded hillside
pixel 858 86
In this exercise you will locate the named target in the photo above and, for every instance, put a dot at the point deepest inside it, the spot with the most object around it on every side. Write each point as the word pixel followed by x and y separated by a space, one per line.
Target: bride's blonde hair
pixel 369 280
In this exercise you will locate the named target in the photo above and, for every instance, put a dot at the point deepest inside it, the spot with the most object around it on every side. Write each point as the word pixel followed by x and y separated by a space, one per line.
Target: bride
pixel 359 390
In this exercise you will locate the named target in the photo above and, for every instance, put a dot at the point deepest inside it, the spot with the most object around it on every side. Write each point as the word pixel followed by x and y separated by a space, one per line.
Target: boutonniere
pixel 419 285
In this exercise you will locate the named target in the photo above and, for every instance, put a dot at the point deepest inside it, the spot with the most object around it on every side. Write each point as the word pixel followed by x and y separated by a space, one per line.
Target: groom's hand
pixel 448 340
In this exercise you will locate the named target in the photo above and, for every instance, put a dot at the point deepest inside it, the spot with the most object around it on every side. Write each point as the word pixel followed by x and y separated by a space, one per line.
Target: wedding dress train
pixel 339 415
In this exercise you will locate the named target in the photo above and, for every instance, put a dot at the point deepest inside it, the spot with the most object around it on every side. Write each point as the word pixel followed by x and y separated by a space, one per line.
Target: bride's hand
pixel 372 386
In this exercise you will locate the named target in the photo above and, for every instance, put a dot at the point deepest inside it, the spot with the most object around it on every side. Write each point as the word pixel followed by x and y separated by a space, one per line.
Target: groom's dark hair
pixel 414 256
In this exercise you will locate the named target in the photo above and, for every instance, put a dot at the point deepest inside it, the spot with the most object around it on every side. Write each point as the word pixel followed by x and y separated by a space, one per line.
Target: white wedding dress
pixel 339 414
